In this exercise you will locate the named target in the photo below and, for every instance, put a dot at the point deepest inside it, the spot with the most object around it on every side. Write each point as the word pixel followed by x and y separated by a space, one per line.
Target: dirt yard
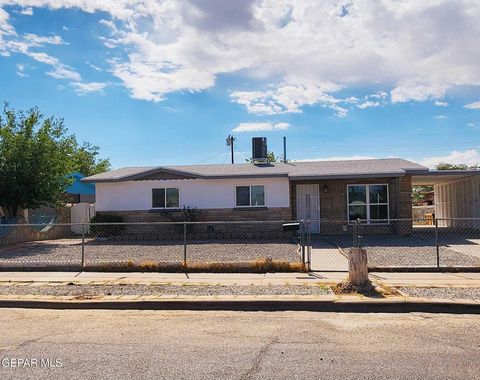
pixel 104 251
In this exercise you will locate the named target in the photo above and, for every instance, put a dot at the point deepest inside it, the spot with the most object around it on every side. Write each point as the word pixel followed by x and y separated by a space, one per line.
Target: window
pixel 368 202
pixel 252 196
pixel 165 198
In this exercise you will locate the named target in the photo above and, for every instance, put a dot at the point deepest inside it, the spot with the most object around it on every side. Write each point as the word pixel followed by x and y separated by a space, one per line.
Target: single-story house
pixel 376 190
pixel 336 192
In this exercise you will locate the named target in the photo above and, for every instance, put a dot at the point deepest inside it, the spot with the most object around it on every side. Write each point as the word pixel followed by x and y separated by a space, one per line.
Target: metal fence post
pixel 309 245
pixel 185 246
pixel 83 245
pixel 355 241
pixel 302 240
pixel 437 247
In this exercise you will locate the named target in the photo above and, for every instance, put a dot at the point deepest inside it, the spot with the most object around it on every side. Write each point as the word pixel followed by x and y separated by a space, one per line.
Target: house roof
pixel 295 170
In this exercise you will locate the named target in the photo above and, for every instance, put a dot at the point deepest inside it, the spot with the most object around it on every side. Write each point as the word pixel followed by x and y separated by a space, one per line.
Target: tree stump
pixel 357 267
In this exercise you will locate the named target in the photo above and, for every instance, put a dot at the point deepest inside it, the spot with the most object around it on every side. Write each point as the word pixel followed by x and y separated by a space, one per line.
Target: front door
pixel 308 206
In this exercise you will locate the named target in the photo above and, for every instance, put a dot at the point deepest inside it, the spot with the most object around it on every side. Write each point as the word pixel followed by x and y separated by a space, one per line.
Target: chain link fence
pixel 169 246
pixel 403 243
pixel 260 246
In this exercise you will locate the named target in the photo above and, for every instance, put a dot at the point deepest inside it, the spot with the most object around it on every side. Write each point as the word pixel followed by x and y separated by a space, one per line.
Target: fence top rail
pixel 353 221
pixel 148 223
pixel 373 222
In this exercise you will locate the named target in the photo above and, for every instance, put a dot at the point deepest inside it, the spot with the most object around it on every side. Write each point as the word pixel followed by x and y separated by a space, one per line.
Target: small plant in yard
pixel 188 214
pixel 191 214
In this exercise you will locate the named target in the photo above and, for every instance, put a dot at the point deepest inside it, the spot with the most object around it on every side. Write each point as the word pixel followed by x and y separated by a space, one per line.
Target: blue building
pixel 80 192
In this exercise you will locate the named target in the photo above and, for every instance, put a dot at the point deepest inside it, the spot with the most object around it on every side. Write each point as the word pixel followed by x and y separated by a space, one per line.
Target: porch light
pixel 325 188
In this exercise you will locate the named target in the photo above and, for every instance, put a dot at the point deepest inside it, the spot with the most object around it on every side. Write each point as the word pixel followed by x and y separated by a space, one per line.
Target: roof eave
pixel 273 175
pixel 133 177
pixel 347 176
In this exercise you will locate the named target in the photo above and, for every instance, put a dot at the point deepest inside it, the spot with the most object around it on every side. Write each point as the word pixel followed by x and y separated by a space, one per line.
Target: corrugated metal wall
pixel 457 199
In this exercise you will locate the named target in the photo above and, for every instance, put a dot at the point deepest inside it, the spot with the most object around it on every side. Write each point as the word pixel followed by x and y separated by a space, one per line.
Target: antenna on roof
pixel 284 149
pixel 230 140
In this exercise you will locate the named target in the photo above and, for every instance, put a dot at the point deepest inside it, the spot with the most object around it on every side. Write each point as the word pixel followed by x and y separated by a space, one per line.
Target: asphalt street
pixel 58 344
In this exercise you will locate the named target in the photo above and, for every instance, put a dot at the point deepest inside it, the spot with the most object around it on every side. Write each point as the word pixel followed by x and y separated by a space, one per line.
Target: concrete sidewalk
pixel 327 278
pixel 264 302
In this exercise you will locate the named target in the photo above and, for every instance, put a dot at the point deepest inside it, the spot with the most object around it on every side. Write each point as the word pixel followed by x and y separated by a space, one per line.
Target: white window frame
pixel 368 204
pixel 250 193
pixel 165 188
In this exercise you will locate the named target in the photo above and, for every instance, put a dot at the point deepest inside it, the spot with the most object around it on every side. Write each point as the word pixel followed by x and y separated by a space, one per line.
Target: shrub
pixel 259 266
pixel 111 228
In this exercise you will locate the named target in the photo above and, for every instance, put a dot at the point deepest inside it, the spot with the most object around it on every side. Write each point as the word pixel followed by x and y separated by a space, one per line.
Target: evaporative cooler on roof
pixel 259 150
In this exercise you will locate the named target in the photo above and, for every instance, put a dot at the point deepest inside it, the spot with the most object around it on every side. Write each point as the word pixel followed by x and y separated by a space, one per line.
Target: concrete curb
pixel 372 269
pixel 324 304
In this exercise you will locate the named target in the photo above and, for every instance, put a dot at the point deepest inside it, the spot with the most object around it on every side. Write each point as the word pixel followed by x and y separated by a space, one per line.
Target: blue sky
pixel 166 82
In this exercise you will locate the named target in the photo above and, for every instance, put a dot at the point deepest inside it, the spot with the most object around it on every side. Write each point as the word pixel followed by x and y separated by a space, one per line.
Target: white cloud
pixel 61 71
pixel 21 70
pixel 418 90
pixel 28 43
pixel 290 98
pixel 377 99
pixel 86 88
pixel 95 67
pixel 34 40
pixel 337 158
pixel 23 44
pixel 6 31
pixel 472 106
pixel 471 125
pixel 174 45
pixel 368 104
pixel 27 11
pixel 440 117
pixel 439 103
pixel 469 157
pixel 254 127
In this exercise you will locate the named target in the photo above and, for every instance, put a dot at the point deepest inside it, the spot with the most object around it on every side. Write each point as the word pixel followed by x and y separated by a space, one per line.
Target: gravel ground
pixel 101 251
pixel 456 293
pixel 409 251
pixel 190 290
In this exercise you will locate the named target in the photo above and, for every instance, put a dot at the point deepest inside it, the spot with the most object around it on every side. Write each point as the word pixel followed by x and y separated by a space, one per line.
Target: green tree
pixel 36 156
pixel 270 158
pixel 419 192
pixel 86 161
pixel 447 166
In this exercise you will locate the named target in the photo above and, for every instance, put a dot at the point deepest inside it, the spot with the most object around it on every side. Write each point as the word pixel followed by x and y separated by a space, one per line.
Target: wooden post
pixel 357 267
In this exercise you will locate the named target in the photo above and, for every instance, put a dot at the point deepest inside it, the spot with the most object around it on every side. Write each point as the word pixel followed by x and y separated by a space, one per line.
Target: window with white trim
pixel 368 202
pixel 250 196
pixel 165 198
